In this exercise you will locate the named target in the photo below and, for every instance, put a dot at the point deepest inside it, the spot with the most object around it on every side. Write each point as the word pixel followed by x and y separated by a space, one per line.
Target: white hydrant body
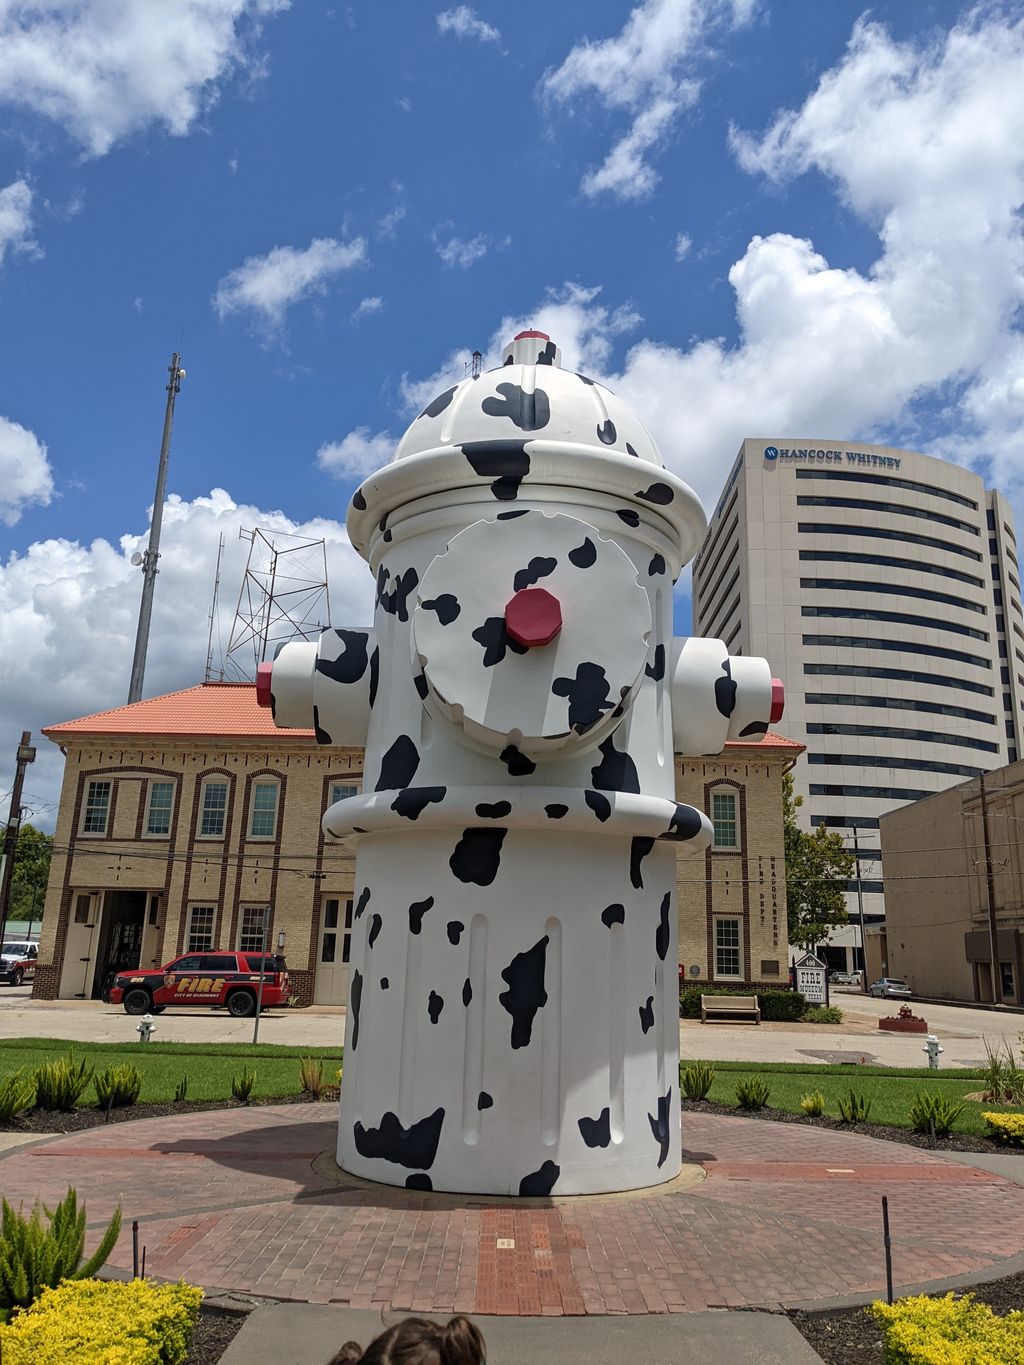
pixel 933 1050
pixel 513 1016
pixel 145 1028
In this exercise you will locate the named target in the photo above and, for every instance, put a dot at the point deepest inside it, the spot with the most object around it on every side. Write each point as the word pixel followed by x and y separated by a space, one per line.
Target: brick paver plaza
pixel 232 1200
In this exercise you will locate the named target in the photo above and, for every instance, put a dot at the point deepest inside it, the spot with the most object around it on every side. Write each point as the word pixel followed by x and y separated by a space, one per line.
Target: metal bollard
pixel 933 1050
pixel 145 1028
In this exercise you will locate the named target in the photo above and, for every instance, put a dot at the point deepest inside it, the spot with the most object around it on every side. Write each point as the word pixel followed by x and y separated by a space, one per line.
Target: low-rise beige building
pixel 184 816
pixel 938 927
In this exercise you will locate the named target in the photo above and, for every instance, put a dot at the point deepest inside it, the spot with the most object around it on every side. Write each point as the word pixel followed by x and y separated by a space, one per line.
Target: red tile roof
pixel 230 709
pixel 206 709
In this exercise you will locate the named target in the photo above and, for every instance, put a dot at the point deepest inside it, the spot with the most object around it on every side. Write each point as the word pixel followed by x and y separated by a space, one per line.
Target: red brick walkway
pixel 230 1200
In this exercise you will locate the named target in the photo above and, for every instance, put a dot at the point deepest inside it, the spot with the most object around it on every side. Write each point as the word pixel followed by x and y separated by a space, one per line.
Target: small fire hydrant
pixel 933 1050
pixel 145 1028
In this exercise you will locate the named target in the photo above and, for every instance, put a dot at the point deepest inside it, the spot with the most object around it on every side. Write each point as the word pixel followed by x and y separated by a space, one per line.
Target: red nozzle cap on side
pixel 778 701
pixel 533 617
pixel 263 681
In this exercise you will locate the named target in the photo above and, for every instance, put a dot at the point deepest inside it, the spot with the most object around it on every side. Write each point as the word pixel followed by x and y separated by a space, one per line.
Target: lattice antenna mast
pixel 284 596
pixel 213 611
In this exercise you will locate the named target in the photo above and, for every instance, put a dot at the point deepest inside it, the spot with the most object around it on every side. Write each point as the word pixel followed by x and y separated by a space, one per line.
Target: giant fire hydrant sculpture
pixel 513 1019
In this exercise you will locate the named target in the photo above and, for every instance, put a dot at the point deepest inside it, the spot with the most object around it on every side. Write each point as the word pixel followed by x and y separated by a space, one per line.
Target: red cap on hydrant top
pixel 778 701
pixel 263 678
pixel 533 617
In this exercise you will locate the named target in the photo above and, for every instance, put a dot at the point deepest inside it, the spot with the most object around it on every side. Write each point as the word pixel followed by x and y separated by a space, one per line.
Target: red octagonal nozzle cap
pixel 264 696
pixel 778 701
pixel 533 617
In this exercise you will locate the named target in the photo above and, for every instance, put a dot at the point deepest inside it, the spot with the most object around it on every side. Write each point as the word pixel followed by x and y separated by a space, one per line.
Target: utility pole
pixel 26 755
pixel 148 561
pixel 993 935
pixel 860 908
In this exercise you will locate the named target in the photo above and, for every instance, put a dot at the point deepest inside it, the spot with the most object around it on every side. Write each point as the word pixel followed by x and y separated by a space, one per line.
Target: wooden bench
pixel 731 1008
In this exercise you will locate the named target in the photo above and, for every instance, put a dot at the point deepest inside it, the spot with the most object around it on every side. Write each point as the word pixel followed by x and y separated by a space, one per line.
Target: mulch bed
pixel 850 1336
pixel 48 1122
pixel 214 1333
pixel 954 1142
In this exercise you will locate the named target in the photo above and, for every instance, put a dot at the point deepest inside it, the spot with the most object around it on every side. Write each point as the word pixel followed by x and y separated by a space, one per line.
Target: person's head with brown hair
pixel 417 1341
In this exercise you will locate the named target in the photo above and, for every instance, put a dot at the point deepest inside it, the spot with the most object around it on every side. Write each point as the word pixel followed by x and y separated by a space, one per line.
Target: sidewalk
pixel 305 1334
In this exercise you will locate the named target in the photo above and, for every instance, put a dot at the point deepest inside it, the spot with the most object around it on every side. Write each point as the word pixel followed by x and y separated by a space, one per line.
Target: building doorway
pixel 331 984
pixel 119 941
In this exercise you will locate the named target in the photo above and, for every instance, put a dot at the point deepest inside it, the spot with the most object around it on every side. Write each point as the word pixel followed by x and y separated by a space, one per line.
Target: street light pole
pixel 148 561
pixel 993 935
pixel 26 754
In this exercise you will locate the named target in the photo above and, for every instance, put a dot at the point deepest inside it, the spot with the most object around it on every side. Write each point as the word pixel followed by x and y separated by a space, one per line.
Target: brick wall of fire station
pixel 295 873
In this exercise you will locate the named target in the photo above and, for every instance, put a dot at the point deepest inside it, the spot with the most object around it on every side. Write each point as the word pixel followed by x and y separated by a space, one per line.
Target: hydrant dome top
pixel 530 395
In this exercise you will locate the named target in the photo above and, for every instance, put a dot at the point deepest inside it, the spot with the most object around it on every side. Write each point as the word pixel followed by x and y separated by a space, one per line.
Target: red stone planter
pixel 904 1025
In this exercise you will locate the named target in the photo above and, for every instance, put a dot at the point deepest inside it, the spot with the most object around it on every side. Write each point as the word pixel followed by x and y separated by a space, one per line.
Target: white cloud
pixel 373 304
pixel 105 69
pixel 463 251
pixel 462 21
pixel 683 246
pixel 404 103
pixel 269 285
pixel 922 142
pixel 16 219
pixel 138 303
pixel 650 70
pixel 25 475
pixel 67 631
pixel 356 454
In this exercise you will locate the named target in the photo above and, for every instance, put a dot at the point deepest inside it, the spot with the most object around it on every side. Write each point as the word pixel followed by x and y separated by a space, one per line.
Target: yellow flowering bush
pixel 948 1331
pixel 1005 1127
pixel 105 1323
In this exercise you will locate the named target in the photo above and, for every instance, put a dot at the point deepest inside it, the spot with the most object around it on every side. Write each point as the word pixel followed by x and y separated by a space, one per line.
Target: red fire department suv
pixel 215 979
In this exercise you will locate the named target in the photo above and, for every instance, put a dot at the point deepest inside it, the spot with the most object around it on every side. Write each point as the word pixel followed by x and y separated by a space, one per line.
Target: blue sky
pixel 787 219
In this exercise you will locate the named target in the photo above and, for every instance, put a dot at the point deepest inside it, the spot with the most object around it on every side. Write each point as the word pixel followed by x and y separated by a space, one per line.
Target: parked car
pixel 215 979
pixel 890 988
pixel 844 978
pixel 18 961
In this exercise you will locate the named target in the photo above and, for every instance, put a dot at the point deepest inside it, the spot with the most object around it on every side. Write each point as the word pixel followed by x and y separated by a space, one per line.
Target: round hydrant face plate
pixel 481 674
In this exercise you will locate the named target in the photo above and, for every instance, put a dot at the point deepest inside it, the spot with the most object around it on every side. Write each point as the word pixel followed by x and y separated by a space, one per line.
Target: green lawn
pixel 209 1066
pixel 890 1090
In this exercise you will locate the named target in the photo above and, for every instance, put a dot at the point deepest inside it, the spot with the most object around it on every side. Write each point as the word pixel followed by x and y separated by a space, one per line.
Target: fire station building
pixel 183 817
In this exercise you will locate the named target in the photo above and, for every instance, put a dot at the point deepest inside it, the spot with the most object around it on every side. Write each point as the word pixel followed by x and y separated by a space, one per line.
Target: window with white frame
pixel 159 807
pixel 728 948
pixel 263 810
pixel 97 808
pixel 250 933
pixel 213 812
pixel 341 791
pixel 723 817
pixel 200 928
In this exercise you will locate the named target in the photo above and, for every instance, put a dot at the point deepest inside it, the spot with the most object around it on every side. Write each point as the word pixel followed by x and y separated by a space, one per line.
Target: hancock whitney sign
pixel 859 457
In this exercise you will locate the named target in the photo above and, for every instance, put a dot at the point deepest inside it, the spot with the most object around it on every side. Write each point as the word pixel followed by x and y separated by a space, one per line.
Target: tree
pixel 31 870
pixel 818 866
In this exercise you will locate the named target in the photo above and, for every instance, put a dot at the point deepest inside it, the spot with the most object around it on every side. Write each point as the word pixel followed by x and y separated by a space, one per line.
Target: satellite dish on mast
pixel 136 559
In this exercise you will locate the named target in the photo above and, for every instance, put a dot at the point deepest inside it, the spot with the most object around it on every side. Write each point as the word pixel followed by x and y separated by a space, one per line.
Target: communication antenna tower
pixel 213 614
pixel 283 597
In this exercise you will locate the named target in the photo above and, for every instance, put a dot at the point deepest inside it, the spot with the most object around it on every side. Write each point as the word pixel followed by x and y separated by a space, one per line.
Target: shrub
pixel 17 1093
pixel 118 1086
pixel 934 1113
pixel 753 1093
pixel 1004 1078
pixel 34 1257
pixel 813 1104
pixel 853 1108
pixel 311 1077
pixel 776 1005
pixel 822 1014
pixel 923 1331
pixel 696 1080
pixel 61 1084
pixel 133 1323
pixel 1008 1128
pixel 181 1090
pixel 241 1086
